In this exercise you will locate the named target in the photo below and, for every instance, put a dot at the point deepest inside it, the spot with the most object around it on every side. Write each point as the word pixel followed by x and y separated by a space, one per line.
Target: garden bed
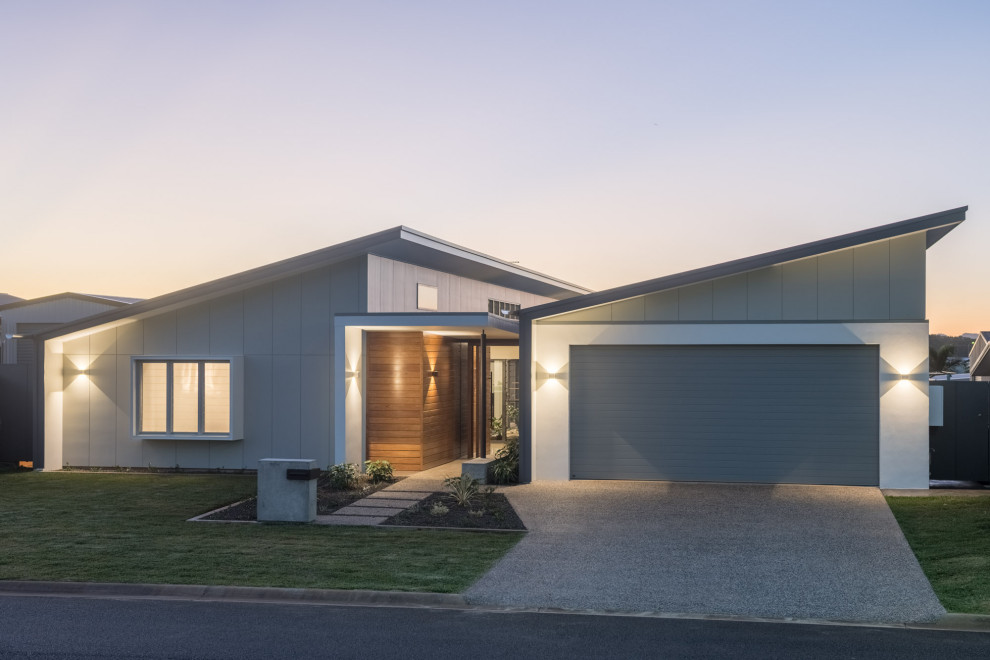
pixel 328 500
pixel 488 511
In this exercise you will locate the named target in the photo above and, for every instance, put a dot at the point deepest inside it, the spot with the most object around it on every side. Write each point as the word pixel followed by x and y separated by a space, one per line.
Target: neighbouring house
pixel 804 365
pixel 19 319
pixel 979 357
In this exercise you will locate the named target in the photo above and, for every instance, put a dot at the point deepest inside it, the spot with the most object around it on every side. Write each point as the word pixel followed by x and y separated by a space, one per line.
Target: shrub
pixel 505 468
pixel 462 489
pixel 378 471
pixel 343 476
pixel 439 509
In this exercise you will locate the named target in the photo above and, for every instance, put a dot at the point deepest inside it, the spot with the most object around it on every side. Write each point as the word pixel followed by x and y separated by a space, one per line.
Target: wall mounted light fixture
pixel 433 373
pixel 352 374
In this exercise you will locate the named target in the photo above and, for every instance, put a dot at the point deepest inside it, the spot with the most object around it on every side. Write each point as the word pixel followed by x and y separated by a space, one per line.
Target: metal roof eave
pixel 936 225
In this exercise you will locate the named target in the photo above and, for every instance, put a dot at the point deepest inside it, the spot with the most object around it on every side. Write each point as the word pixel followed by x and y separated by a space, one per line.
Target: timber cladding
pixel 411 416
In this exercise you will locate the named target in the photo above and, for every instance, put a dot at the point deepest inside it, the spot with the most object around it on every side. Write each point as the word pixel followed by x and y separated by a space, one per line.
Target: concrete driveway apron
pixel 811 552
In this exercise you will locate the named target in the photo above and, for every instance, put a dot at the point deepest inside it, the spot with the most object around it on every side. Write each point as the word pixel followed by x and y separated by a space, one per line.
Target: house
pixel 364 350
pixel 20 318
pixel 804 365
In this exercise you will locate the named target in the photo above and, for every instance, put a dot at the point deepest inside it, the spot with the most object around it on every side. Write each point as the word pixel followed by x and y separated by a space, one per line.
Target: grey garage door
pixel 766 414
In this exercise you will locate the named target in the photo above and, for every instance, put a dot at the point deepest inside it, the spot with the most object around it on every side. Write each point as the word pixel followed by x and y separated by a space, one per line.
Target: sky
pixel 150 146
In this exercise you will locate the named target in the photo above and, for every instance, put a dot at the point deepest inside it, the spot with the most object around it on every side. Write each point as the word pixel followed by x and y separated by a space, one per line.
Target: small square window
pixel 427 297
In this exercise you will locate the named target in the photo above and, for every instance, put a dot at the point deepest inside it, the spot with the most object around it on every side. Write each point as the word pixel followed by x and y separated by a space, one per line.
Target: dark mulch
pixel 328 500
pixel 495 513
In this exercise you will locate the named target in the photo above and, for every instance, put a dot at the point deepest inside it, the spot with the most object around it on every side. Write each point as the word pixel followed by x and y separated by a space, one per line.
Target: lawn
pixel 132 528
pixel 951 538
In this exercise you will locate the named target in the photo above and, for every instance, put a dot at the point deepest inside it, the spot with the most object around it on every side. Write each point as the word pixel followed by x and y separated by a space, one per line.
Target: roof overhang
pixel 464 326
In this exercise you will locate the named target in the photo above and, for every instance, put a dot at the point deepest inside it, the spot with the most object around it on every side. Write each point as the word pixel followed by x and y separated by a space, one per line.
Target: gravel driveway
pixel 816 552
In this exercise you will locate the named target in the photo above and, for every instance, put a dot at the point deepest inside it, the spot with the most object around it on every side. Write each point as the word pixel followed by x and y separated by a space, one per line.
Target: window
pixel 504 309
pixel 183 398
pixel 426 297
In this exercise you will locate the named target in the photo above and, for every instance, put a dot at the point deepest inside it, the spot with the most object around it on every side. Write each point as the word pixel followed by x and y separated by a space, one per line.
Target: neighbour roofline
pixel 107 300
pixel 936 225
pixel 389 243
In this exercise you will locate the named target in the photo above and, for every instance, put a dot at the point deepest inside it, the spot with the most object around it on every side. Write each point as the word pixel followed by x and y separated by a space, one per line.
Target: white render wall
pixel 392 288
pixel 903 403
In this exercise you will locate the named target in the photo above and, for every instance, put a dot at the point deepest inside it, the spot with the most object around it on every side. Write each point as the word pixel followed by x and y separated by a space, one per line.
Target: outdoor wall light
pixel 552 376
pixel 433 373
pixel 904 377
pixel 352 374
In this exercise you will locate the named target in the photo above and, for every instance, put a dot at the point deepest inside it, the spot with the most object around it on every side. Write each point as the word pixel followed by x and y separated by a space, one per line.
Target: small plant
pixel 476 513
pixel 343 476
pixel 512 414
pixel 439 509
pixel 505 468
pixel 462 489
pixel 378 471
pixel 496 428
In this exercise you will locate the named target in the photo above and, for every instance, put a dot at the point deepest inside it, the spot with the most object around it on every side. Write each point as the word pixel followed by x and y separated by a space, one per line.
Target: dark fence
pixel 15 414
pixel 960 448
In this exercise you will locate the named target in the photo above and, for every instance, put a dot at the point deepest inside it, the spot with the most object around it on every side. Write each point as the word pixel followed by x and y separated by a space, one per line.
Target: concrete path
pixel 382 505
pixel 811 552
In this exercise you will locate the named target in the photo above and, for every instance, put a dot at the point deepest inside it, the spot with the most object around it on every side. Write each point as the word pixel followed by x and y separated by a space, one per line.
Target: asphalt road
pixel 62 627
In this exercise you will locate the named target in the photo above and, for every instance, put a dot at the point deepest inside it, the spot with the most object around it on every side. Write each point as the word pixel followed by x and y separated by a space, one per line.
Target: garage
pixel 729 413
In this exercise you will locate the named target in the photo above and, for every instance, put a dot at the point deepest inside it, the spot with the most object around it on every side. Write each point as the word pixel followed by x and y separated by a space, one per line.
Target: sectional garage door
pixel 766 414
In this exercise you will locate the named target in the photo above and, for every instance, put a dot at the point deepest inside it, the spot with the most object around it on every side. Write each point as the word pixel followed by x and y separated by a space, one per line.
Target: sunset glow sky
pixel 150 146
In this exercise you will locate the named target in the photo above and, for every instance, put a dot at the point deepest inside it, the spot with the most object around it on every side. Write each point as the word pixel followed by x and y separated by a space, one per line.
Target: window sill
pixel 185 436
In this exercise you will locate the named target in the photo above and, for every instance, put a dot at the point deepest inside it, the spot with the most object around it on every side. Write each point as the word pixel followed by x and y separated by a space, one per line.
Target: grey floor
pixel 813 552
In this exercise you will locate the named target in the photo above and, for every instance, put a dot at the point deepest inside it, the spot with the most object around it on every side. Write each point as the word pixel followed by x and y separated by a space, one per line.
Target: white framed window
pixel 427 297
pixel 187 398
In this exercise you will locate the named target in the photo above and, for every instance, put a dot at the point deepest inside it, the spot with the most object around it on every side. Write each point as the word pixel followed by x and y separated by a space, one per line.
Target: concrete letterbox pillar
pixel 287 490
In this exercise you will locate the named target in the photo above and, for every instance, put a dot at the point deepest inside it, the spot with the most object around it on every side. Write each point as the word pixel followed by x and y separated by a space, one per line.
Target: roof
pixel 399 243
pixel 979 365
pixel 935 227
pixel 86 297
pixel 6 299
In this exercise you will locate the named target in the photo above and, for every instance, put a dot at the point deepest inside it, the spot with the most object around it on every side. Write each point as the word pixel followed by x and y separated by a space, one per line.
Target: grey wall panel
pixel 130 338
pixel 315 313
pixel 79 346
pixel 600 313
pixel 258 321
pixel 694 303
pixel 799 290
pixel 871 281
pixel 633 309
pixel 226 455
pixel 771 414
pixel 835 286
pixel 103 343
pixel 907 277
pixel 102 411
pixel 286 311
pixel 158 453
pixel 227 325
pixel 661 306
pixel 349 287
pixel 128 451
pixel 730 298
pixel 192 454
pixel 258 412
pixel 316 403
pixel 286 412
pixel 75 412
pixel 765 294
pixel 192 330
pixel 159 334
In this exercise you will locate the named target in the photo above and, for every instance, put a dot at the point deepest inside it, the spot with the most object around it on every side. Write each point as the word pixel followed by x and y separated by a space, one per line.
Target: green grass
pixel 951 538
pixel 132 528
